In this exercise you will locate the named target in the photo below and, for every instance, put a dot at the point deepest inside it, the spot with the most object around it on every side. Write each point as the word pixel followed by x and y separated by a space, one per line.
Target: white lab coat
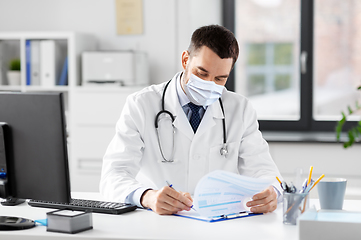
pixel 133 158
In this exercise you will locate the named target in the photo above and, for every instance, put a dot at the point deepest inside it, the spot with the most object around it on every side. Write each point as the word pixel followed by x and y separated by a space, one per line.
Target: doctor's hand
pixel 166 201
pixel 263 202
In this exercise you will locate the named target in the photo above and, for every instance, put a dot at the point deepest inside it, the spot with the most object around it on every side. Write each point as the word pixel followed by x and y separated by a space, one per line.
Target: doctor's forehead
pixel 208 61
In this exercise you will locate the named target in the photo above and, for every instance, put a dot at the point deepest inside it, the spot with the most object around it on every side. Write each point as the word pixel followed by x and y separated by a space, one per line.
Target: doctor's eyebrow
pixel 204 70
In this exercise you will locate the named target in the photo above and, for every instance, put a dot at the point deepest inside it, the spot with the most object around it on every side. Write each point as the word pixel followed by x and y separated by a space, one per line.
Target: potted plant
pixel 354 133
pixel 14 72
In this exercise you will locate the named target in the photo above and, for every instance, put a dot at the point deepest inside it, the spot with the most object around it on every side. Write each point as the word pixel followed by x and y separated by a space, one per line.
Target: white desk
pixel 143 224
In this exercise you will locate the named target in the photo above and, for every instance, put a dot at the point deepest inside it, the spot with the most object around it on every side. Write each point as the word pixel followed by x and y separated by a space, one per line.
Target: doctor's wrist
pixel 144 199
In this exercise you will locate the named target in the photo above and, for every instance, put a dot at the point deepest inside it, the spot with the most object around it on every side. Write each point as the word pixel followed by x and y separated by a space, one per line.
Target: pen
pixel 171 186
pixel 292 188
pixel 304 185
pixel 309 176
pixel 309 187
pixel 317 181
pixel 284 185
pixel 278 180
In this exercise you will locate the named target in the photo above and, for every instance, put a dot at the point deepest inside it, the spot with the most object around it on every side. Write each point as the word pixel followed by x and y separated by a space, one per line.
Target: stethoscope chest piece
pixel 224 150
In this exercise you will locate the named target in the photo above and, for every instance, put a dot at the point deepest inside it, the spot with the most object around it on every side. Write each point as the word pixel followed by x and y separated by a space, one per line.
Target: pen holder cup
pixel 294 204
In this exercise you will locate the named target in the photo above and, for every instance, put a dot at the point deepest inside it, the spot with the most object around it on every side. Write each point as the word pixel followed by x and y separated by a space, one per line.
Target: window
pixel 337 61
pixel 269 72
pixel 299 60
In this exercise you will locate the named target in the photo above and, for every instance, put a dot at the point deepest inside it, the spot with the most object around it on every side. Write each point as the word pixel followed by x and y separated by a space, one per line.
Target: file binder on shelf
pixel 28 61
pixel 63 80
pixel 35 62
pixel 50 63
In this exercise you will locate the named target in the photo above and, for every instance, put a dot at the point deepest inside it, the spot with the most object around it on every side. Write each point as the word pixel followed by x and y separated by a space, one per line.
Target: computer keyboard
pixel 87 205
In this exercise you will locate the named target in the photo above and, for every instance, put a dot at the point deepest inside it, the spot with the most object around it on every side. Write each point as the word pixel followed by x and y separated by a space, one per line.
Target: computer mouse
pixel 15 223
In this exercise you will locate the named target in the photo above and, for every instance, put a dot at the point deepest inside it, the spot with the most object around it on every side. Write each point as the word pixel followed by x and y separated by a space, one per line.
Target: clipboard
pixel 194 215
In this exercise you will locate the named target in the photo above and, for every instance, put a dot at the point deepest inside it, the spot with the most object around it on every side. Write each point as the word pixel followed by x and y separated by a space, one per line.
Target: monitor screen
pixel 37 162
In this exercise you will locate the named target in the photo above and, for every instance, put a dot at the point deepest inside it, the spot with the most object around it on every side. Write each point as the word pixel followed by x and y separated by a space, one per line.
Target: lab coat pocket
pixel 227 163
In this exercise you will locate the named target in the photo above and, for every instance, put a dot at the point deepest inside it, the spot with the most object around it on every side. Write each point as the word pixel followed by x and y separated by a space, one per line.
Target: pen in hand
pixel 171 186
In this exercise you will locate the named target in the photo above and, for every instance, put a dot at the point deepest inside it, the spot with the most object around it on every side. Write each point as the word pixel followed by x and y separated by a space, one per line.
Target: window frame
pixel 306 123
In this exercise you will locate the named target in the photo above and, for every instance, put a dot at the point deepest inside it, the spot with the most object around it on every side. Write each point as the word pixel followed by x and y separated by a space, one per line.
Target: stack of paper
pixel 223 195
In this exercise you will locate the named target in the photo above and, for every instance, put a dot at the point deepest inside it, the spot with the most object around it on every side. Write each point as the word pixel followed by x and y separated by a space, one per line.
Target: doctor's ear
pixel 185 59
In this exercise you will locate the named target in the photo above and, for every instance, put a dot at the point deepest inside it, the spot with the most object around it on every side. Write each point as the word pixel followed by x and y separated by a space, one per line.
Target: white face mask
pixel 201 92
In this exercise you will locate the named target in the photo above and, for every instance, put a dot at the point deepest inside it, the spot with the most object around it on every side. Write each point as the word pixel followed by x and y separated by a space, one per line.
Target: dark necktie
pixel 195 117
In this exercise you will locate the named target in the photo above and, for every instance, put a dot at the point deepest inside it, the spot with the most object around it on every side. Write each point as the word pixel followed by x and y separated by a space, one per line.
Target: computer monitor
pixel 33 162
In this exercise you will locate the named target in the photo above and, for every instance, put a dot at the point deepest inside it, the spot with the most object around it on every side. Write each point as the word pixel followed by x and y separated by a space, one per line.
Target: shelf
pixel 46 89
pixel 10 88
pixel 102 89
pixel 37 35
pixel 34 88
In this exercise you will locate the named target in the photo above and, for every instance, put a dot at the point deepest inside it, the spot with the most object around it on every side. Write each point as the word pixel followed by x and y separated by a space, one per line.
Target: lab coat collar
pixel 182 97
pixel 171 100
pixel 216 109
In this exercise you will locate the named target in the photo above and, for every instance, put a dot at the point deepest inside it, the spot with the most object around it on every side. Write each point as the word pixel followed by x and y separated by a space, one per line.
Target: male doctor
pixel 138 162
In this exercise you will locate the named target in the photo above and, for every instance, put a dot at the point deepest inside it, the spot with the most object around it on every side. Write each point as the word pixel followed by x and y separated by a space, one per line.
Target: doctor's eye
pixel 220 80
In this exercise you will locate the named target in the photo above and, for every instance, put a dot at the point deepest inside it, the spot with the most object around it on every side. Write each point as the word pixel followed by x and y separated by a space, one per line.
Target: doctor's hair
pixel 217 38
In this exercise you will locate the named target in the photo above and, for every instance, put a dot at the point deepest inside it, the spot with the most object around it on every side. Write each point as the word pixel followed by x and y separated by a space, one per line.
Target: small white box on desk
pixel 329 224
pixel 67 221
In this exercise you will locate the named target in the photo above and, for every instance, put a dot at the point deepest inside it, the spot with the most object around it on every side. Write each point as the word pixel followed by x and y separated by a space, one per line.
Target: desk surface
pixel 143 224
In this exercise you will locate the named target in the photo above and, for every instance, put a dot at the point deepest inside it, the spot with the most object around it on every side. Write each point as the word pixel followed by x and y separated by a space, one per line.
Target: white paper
pixel 223 193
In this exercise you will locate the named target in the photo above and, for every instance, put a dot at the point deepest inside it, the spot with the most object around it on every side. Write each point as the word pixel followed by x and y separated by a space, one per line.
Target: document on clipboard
pixel 222 195
pixel 194 215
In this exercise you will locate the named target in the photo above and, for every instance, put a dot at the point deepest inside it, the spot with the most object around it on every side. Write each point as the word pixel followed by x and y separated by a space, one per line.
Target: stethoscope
pixel 223 151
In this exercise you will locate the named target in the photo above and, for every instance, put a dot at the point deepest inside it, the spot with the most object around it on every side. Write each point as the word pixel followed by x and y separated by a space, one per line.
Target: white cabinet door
pixel 94 115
